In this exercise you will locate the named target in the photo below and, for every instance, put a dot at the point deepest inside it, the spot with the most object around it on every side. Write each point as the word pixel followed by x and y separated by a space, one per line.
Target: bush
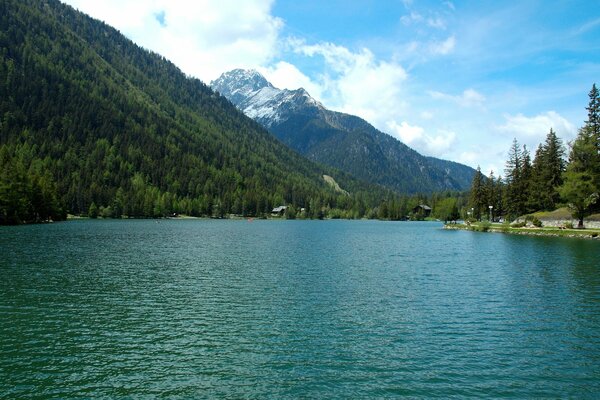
pixel 519 224
pixel 536 222
pixel 483 226
pixel 569 225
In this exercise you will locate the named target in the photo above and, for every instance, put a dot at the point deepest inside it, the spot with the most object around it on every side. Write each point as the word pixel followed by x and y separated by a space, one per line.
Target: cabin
pixel 279 211
pixel 422 209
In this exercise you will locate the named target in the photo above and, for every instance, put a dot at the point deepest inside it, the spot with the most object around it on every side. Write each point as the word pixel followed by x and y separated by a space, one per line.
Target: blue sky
pixel 453 79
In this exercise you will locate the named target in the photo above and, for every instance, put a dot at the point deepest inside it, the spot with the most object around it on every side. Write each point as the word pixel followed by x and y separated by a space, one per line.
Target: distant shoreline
pixel 590 233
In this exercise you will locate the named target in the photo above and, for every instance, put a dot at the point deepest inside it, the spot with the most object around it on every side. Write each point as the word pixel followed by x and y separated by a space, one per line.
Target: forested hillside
pixel 92 123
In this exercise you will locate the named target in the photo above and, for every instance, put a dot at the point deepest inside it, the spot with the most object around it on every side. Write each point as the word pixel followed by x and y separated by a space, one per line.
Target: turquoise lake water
pixel 295 309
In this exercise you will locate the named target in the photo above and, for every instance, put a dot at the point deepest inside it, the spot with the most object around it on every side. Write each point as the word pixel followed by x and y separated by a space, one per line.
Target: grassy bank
pixel 543 231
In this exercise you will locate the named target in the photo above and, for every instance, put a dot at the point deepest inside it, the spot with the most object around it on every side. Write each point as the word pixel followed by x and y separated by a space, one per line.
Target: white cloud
pixel 405 132
pixel 468 98
pixel 356 82
pixel 443 48
pixel 415 136
pixel 537 127
pixel 411 18
pixel 286 75
pixel 204 38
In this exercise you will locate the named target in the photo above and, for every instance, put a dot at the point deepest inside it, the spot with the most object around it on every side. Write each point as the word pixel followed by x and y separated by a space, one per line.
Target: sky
pixel 457 80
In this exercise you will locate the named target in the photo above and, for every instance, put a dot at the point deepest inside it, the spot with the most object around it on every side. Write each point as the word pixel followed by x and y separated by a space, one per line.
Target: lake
pixel 295 309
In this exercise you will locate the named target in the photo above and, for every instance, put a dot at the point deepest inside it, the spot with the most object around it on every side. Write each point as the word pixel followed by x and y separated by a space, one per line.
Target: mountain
pixel 340 140
pixel 92 123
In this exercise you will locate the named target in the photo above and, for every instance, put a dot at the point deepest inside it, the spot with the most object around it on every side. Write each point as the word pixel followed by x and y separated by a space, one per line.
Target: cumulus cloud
pixel 288 76
pixel 537 127
pixel 416 137
pixel 204 38
pixel 356 82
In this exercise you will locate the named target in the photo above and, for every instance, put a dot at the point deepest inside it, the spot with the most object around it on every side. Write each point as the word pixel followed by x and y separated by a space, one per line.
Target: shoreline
pixel 589 233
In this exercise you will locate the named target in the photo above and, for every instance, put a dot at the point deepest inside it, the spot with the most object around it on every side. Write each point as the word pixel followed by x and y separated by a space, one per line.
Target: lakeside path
pixel 543 231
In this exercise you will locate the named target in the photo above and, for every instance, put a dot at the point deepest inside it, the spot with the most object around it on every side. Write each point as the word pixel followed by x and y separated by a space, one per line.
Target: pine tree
pixel 477 198
pixel 579 188
pixel 515 188
pixel 547 173
pixel 593 126
pixel 526 181
pixel 593 109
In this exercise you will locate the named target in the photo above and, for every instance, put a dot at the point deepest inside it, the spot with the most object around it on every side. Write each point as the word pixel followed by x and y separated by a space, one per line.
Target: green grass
pixel 549 231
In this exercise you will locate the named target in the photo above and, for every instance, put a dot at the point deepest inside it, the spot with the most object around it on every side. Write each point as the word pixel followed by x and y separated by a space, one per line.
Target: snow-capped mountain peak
pixel 258 99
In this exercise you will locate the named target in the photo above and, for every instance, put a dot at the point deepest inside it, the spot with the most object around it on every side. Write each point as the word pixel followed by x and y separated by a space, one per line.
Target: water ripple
pixel 288 309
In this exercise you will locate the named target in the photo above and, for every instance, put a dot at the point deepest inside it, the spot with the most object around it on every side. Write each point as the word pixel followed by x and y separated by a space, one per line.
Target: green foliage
pixel 290 213
pixel 477 199
pixel 27 191
pixel 518 183
pixel 580 188
pixel 447 209
pixel 482 226
pixel 547 175
pixel 535 221
pixel 569 225
pixel 593 108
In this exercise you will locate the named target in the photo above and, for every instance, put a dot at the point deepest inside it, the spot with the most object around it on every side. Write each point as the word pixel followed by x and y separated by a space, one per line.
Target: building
pixel 279 210
pixel 422 209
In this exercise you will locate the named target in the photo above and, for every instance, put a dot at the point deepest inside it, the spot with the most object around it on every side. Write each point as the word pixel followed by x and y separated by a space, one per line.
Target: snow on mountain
pixel 258 99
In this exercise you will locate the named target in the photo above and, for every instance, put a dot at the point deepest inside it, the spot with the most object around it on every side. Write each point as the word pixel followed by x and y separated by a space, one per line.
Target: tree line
pixel 550 181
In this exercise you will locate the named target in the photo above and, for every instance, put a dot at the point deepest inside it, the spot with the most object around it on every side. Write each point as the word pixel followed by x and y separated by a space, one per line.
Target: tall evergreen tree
pixel 593 109
pixel 477 199
pixel 579 188
pixel 515 195
pixel 547 173
pixel 593 126
pixel 526 180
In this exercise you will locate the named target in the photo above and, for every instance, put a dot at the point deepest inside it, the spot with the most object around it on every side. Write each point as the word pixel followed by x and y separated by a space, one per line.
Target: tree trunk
pixel 580 224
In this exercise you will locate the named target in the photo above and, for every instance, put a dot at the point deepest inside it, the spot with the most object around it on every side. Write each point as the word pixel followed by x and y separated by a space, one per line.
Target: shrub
pixel 536 222
pixel 519 224
pixel 484 226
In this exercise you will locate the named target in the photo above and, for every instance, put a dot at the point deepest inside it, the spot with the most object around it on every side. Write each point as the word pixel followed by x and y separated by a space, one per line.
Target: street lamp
pixel 491 213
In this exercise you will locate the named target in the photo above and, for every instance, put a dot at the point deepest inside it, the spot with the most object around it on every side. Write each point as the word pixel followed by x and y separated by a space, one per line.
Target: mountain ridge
pixel 337 139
